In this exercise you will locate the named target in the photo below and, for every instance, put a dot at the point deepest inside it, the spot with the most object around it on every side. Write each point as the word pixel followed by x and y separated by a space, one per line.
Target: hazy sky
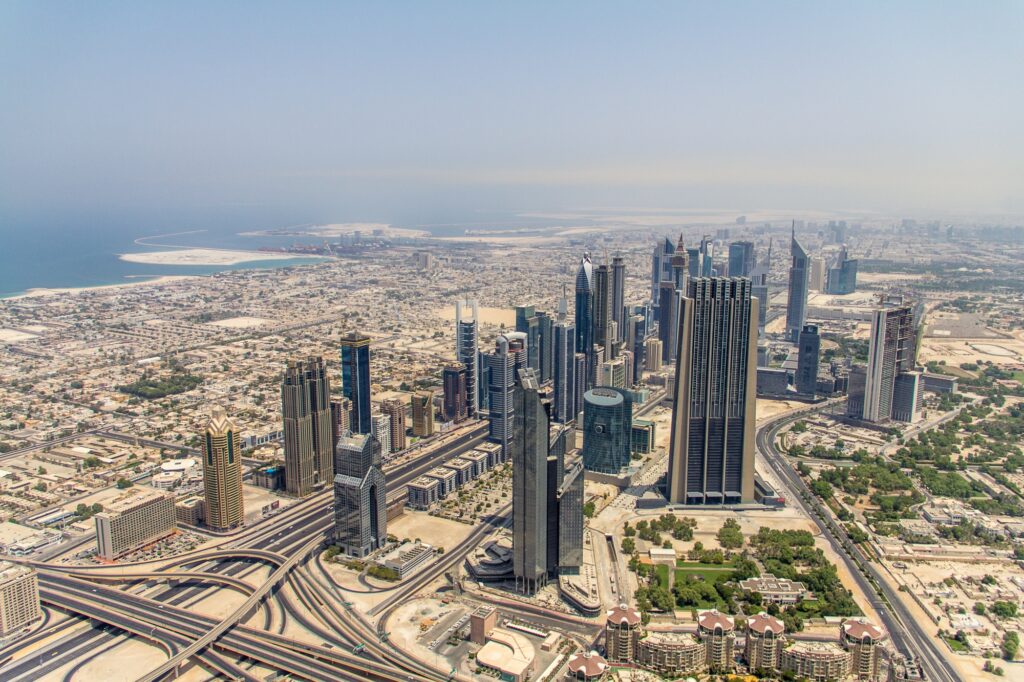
pixel 354 111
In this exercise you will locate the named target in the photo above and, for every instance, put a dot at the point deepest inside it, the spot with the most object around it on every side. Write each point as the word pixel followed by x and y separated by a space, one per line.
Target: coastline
pixel 39 292
pixel 206 257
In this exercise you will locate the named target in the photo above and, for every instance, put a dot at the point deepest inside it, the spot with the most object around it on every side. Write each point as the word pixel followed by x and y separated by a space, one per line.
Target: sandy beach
pixel 165 279
pixel 202 257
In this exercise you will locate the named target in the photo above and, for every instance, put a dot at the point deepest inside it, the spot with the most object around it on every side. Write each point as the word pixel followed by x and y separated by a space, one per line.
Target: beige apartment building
pixel 19 597
pixel 138 517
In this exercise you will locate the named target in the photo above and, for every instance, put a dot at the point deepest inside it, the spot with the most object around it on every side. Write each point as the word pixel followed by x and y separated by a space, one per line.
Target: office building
pixel 360 497
pixel 622 633
pixel 668 324
pixel 19 598
pixel 395 410
pixel 569 503
pixel 619 296
pixel 136 518
pixel 661 266
pixel 481 622
pixel 764 642
pixel 454 406
pixel 528 323
pixel 381 431
pixel 585 320
pixel 580 375
pixel 564 366
pixel 355 379
pixel 642 436
pixel 508 356
pixel 816 280
pixel 809 348
pixel 711 456
pixel 603 310
pixel 607 430
pixel 759 288
pixel 717 631
pixel 799 279
pixel 467 352
pixel 307 426
pixel 615 373
pixel 892 350
pixel 222 473
pixel 741 259
pixel 341 412
pixel 529 486
pixel 652 354
pixel 547 346
pixel 907 397
pixel 863 639
pixel 842 275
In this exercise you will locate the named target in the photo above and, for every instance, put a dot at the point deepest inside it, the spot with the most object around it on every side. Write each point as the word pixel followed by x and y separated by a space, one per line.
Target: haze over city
pixel 536 342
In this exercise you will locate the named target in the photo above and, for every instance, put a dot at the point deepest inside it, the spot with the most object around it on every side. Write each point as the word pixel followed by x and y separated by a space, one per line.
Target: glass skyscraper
pixel 607 422
pixel 355 379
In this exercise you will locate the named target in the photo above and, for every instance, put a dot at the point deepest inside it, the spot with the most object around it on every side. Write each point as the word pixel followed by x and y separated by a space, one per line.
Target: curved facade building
pixel 607 424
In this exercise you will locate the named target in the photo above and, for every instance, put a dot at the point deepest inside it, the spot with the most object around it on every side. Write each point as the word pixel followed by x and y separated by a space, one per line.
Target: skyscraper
pixel 580 376
pixel 759 288
pixel 395 410
pixel 341 412
pixel 507 357
pixel 816 280
pixel 307 426
pixel 668 326
pixel 809 347
pixel 799 278
pixel 842 275
pixel 360 497
pixel 618 297
pixel 528 323
pixel 355 379
pixel 564 372
pixel 222 472
pixel 381 430
pixel 547 347
pixel 892 350
pixel 741 259
pixel 661 266
pixel 711 456
pixel 423 414
pixel 607 425
pixel 652 354
pixel 603 310
pixel 585 318
pixel 547 502
pixel 454 380
pixel 467 353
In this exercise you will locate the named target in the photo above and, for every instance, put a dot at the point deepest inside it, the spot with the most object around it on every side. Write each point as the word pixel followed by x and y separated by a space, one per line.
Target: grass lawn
pixel 709 572
pixel 955 645
pixel 661 572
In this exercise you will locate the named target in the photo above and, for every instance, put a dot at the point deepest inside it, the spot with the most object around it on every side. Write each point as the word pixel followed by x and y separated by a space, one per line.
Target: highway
pixel 906 632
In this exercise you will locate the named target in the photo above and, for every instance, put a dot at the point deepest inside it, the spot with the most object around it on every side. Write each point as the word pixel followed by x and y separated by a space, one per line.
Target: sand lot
pixel 241 322
pixel 957 351
pixel 430 529
pixel 201 257
pixel 505 316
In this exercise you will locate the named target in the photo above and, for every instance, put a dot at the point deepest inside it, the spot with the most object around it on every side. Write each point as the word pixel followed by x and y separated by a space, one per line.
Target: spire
pixel 563 305
pixel 793 230
pixel 680 246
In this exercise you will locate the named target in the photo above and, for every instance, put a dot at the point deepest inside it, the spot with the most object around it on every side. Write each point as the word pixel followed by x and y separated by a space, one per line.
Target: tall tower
pixel 467 352
pixel 619 296
pixel 799 280
pixel 529 486
pixel 355 379
pixel 423 414
pixel 395 409
pixel 585 318
pixel 661 268
pixel 308 432
pixel 454 393
pixel 711 455
pixel 603 309
pixel 809 348
pixel 564 370
pixel 222 472
pixel 892 350
pixel 741 259
pixel 528 323
pixel 360 497
pixel 507 357
pixel 607 427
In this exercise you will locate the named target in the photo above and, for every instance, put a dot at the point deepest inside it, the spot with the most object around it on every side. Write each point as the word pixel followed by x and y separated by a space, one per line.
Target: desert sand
pixel 202 257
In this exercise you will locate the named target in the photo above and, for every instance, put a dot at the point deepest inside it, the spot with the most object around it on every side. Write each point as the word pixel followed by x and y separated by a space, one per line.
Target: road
pixel 906 632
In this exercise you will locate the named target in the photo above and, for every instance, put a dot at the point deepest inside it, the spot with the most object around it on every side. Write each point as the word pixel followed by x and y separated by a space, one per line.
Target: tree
pixel 41 487
pixel 628 545
pixel 41 471
pixel 123 483
pixel 1011 642
pixel 589 508
pixel 979 608
pixel 729 535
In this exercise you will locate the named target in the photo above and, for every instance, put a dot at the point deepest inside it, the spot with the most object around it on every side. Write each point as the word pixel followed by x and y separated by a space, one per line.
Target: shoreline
pixel 39 292
pixel 207 257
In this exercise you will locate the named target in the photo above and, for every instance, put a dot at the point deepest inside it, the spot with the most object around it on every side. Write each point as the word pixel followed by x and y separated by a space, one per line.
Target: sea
pixel 63 254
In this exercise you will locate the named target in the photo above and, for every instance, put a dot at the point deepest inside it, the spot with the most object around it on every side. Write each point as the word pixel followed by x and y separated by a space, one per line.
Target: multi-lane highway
pixel 904 629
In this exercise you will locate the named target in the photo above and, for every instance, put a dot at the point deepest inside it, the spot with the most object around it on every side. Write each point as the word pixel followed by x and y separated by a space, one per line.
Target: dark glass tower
pixel 564 374
pixel 807 361
pixel 619 297
pixel 842 276
pixel 528 323
pixel 607 425
pixel 661 266
pixel 307 426
pixel 355 379
pixel 530 502
pixel 799 280
pixel 603 310
pixel 454 393
pixel 360 497
pixel 467 353
pixel 585 318
pixel 741 259
pixel 711 456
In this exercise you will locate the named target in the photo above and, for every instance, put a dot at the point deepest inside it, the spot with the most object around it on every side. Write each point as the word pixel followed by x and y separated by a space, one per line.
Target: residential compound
pixel 140 516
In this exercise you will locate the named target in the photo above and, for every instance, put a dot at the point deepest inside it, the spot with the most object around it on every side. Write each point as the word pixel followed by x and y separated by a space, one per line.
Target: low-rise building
pixel 481 622
pixel 135 519
pixel 447 480
pixel 190 511
pixel 642 435
pixel 463 469
pixel 406 559
pixel 585 666
pixel 423 492
pixel 479 458
pixel 493 451
pixel 776 590
pixel 270 477
pixel 509 654
pixel 19 597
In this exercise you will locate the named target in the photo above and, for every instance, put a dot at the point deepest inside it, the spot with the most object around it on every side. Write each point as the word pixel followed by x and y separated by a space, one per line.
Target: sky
pixel 410 112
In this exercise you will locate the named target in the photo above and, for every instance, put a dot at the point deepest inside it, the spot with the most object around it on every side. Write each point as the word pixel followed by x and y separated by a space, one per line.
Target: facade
pixel 668 312
pixel 135 519
pixel 423 492
pixel 607 429
pixel 580 375
pixel 661 266
pixel 717 631
pixel 741 259
pixel 307 425
pixel 759 288
pixel 815 661
pixel 711 455
pixel 569 501
pixel 529 486
pixel 642 436
pixel 892 349
pixel 619 296
pixel 764 642
pixel 355 378
pixel 222 473
pixel 652 354
pixel 564 367
pixel 381 430
pixel 671 653
pixel 907 397
pixel 360 494
pixel 622 632
pixel 809 345
pixel 603 335
pixel 816 281
pixel 508 356
pixel 19 597
pixel 423 414
pixel 842 275
pixel 454 406
pixel 467 352
pixel 528 323
pixel 395 410
pixel 863 640
pixel 799 279
pixel 585 320
pixel 341 414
